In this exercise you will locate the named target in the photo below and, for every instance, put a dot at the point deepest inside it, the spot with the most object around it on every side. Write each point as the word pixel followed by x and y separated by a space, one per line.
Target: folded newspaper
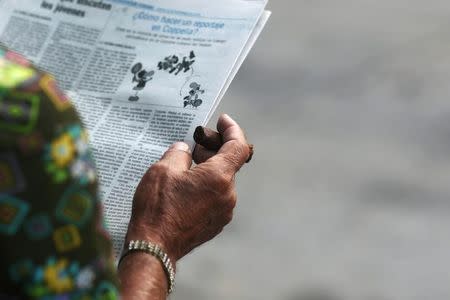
pixel 142 74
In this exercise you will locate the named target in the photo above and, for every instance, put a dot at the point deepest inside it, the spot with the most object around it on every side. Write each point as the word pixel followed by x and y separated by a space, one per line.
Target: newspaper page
pixel 141 74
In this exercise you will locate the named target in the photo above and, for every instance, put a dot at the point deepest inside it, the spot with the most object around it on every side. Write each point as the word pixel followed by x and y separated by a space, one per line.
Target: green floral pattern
pixel 53 243
pixel 68 156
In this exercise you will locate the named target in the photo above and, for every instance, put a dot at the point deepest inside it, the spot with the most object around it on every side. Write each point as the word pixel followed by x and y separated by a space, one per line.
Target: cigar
pixel 212 140
pixel 208 138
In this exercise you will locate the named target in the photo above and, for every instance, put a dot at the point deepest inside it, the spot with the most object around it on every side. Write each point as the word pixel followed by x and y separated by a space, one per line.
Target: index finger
pixel 235 151
pixel 230 130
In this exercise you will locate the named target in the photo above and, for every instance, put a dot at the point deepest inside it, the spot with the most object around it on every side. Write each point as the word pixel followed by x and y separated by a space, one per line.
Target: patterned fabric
pixel 53 242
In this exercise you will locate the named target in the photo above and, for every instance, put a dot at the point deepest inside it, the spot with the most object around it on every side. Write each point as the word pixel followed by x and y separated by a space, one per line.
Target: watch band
pixel 156 251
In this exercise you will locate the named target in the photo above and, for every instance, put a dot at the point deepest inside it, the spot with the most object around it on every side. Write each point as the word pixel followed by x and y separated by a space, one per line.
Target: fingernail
pixel 180 146
pixel 227 116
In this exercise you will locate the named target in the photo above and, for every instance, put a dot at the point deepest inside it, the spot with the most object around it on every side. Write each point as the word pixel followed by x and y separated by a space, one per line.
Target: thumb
pixel 178 157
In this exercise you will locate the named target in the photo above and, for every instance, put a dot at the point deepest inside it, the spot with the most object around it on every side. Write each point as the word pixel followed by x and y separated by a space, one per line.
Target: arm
pixel 180 208
pixel 142 277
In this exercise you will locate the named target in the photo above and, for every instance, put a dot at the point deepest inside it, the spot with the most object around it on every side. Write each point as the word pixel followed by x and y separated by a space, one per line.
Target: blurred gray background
pixel 348 105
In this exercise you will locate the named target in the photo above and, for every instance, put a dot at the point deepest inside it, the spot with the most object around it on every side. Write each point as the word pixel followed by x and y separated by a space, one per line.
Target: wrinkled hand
pixel 180 207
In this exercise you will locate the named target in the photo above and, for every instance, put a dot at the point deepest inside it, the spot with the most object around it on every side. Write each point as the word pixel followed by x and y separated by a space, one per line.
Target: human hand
pixel 181 208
